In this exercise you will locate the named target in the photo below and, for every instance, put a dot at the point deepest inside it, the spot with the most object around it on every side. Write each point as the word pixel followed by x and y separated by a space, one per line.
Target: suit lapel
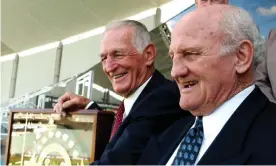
pixel 156 80
pixel 228 145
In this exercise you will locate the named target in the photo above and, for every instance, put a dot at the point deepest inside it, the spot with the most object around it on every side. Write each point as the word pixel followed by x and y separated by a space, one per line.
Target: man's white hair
pixel 238 25
pixel 142 36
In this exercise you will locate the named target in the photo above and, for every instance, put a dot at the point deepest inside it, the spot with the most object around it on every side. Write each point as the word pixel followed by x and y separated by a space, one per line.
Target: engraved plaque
pixel 46 138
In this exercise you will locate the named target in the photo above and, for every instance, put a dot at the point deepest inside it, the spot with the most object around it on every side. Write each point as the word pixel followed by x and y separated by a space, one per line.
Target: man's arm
pixel 72 102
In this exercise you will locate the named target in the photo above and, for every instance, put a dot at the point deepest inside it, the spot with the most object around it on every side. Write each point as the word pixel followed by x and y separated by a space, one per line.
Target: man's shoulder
pixel 159 84
pixel 263 110
pixel 161 101
pixel 264 124
pixel 267 116
pixel 159 89
pixel 260 143
pixel 167 93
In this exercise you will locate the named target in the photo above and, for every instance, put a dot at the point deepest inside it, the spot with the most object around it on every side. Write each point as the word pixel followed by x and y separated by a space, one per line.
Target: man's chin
pixel 187 106
pixel 120 91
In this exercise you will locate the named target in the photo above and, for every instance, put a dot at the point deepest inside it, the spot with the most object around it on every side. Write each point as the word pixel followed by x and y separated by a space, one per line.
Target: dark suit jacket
pixel 266 70
pixel 249 137
pixel 156 108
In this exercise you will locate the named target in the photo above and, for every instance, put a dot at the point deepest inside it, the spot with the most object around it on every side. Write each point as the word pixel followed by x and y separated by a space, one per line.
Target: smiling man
pixel 212 50
pixel 126 67
pixel 151 101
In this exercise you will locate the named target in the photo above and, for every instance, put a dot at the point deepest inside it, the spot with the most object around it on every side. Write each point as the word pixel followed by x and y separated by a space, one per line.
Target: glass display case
pixel 42 137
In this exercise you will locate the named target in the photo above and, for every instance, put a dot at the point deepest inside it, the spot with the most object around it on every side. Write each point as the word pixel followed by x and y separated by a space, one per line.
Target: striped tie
pixel 118 119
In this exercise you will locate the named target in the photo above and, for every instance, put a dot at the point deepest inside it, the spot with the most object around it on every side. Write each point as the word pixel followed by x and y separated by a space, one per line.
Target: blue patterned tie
pixel 190 145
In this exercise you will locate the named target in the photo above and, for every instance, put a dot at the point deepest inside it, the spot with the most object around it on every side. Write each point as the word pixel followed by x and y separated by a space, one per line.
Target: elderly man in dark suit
pixel 266 70
pixel 212 50
pixel 151 101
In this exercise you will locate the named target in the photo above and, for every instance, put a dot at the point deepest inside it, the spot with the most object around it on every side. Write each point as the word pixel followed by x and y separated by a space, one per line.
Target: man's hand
pixel 70 102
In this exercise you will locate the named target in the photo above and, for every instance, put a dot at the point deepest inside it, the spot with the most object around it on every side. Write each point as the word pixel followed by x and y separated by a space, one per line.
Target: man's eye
pixel 103 58
pixel 191 55
pixel 118 55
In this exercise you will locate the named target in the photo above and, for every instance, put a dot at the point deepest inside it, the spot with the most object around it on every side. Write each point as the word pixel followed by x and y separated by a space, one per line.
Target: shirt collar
pixel 130 100
pixel 222 114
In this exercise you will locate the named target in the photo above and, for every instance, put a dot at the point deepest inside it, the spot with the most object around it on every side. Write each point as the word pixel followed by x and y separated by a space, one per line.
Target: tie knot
pixel 121 107
pixel 198 123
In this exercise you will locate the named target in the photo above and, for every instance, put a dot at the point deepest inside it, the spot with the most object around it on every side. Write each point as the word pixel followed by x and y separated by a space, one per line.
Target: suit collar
pixel 156 80
pixel 233 134
pixel 220 116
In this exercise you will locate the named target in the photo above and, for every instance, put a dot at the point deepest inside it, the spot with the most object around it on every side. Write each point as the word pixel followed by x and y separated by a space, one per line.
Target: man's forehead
pixel 116 34
pixel 119 31
pixel 201 21
pixel 196 29
pixel 111 48
pixel 209 12
pixel 115 37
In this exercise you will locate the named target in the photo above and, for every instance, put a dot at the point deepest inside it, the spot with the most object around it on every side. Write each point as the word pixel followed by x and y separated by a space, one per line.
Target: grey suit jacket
pixel 266 71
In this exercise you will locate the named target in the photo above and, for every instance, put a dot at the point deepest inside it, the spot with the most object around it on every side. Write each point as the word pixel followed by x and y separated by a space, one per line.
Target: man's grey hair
pixel 238 25
pixel 142 36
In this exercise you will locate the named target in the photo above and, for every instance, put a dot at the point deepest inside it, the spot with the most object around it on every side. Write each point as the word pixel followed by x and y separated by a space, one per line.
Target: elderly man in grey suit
pixel 265 71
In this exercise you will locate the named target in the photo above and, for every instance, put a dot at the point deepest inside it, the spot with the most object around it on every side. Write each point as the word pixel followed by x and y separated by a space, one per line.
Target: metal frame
pixel 86 79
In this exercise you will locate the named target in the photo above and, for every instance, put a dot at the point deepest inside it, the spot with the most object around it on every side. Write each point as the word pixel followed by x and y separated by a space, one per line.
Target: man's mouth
pixel 118 75
pixel 190 84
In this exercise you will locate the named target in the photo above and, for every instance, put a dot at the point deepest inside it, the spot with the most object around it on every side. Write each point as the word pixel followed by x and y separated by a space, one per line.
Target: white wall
pixel 6 72
pixel 149 22
pixel 80 56
pixel 35 72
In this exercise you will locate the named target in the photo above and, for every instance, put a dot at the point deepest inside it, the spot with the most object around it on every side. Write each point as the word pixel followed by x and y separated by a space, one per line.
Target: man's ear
pixel 150 54
pixel 244 56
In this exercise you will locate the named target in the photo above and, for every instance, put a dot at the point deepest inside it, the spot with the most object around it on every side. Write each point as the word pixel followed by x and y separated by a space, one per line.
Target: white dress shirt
pixel 220 116
pixel 130 100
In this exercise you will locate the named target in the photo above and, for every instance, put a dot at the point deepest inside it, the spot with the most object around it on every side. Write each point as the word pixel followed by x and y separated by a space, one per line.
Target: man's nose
pixel 179 69
pixel 109 64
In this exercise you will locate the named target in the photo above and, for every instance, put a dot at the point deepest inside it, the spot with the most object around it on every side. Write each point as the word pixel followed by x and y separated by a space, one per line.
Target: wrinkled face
pixel 204 77
pixel 202 3
pixel 124 66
